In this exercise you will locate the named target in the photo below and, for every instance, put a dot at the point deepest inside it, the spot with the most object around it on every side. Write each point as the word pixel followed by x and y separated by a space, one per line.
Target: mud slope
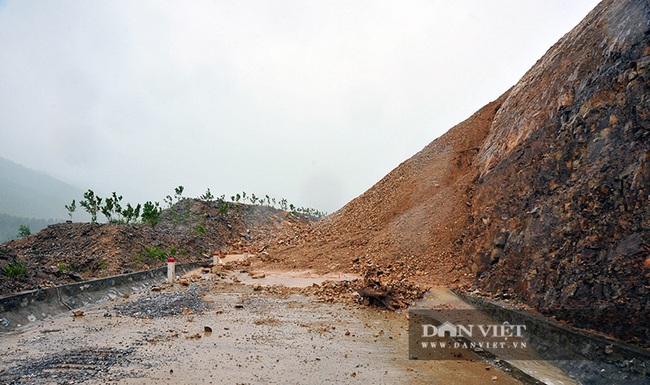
pixel 407 224
pixel 541 195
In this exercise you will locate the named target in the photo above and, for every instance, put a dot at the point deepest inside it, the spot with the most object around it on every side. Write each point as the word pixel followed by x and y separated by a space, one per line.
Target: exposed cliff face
pixel 561 208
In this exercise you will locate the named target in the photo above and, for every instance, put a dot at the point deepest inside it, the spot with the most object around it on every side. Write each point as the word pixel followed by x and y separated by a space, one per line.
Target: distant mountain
pixel 33 194
pixel 10 226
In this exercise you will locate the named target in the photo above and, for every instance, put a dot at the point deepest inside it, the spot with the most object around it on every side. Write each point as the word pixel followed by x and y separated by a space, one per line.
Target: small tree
pixel 117 207
pixel 178 193
pixel 207 196
pixel 131 213
pixel 107 208
pixel 24 231
pixel 151 213
pixel 112 206
pixel 92 204
pixel 169 201
pixel 71 208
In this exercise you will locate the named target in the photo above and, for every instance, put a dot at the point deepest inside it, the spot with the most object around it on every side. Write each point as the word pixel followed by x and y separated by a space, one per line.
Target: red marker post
pixel 216 262
pixel 171 270
pixel 216 259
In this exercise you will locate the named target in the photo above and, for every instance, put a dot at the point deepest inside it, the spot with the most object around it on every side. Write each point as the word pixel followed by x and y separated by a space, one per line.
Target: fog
pixel 309 101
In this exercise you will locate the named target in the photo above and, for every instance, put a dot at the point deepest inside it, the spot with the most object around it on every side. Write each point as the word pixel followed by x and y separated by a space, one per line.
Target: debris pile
pixel 165 304
pixel 384 290
pixel 70 367
pixel 389 294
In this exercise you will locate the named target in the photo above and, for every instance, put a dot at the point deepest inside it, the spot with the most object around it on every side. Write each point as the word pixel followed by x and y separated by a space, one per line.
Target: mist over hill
pixel 33 194
pixel 10 225
pixel 31 198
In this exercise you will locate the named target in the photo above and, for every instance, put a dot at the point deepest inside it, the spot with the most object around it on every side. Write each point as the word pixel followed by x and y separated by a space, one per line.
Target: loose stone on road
pixel 224 333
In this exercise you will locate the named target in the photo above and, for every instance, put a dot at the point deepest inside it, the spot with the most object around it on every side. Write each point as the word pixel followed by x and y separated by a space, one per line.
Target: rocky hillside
pixel 542 195
pixel 191 230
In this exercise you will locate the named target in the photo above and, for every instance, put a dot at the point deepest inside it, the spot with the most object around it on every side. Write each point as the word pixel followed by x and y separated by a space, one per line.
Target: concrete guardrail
pixel 23 308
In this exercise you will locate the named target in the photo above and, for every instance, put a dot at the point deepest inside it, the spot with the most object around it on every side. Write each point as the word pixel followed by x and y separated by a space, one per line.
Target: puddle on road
pixel 297 279
pixel 236 257
pixel 291 278
pixel 285 278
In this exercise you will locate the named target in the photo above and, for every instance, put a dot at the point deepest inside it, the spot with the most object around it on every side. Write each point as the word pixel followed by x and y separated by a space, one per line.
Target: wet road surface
pixel 224 333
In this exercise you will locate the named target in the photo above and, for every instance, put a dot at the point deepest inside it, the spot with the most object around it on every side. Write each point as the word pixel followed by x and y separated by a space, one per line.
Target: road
pixel 226 333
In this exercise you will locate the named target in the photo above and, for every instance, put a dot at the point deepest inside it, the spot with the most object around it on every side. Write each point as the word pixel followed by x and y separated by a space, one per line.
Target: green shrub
pixel 151 213
pixel 155 253
pixel 207 197
pixel 15 269
pixel 64 267
pixel 92 203
pixel 71 208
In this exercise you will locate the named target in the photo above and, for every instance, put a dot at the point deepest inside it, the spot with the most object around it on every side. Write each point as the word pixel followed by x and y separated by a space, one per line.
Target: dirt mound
pixel 408 223
pixel 191 230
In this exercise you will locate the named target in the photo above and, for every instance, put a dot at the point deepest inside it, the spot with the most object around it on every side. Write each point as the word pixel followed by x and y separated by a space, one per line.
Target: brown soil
pixel 408 224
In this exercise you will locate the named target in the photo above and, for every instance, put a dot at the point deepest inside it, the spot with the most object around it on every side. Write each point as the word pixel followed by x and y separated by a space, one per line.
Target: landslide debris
pixel 542 196
pixel 408 224
pixel 159 305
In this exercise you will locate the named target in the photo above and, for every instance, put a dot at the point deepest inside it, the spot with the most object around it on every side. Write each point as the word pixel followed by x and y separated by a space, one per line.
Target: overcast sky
pixel 312 101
